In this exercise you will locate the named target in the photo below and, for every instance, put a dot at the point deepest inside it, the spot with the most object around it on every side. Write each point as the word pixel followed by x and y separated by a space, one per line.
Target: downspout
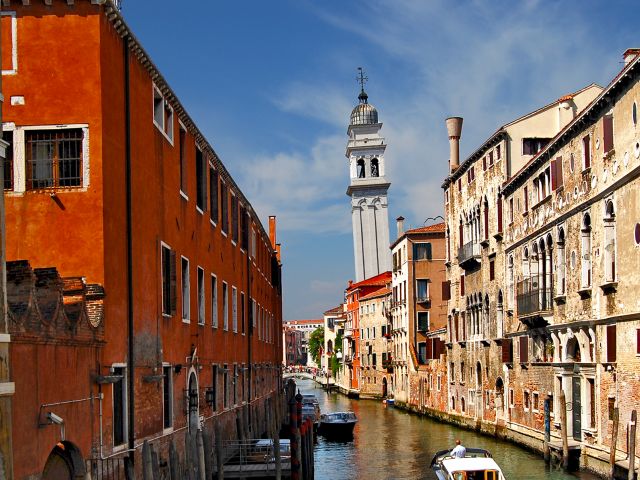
pixel 249 320
pixel 130 331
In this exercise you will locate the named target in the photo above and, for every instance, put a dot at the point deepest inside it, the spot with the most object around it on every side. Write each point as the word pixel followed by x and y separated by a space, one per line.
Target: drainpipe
pixel 249 322
pixel 130 331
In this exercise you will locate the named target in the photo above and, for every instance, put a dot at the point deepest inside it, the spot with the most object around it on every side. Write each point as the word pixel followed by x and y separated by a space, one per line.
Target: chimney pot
pixel 454 130
pixel 400 224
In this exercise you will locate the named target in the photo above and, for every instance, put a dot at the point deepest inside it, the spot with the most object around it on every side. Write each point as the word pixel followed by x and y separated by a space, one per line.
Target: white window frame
pixel 163 246
pixel 234 308
pixel 225 306
pixel 202 316
pixel 171 404
pixel 214 301
pixel 187 318
pixel 125 414
pixel 167 131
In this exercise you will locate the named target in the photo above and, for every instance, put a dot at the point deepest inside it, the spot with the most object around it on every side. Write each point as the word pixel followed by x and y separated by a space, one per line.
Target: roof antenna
pixel 362 79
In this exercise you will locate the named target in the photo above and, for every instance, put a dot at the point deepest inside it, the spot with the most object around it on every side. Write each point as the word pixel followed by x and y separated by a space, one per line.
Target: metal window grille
pixel 54 158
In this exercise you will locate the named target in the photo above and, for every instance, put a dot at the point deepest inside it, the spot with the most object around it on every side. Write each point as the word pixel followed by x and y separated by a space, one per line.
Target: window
pixel 535 401
pixel 524 349
pixel 527 400
pixel 586 152
pixel 162 114
pixel 422 290
pixel 499 216
pixel 461 285
pixel 611 343
pixel 422 251
pixel 498 152
pixel 234 306
pixel 526 198
pixel 234 218
pixel 243 314
pixel 590 409
pixel 214 301
pixel 225 384
pixel 609 242
pixel 120 406
pixel 585 280
pixel 213 401
pixel 374 168
pixel 557 180
pixel 463 373
pixel 7 136
pixel 54 158
pixel 183 161
pixel 634 114
pixel 225 305
pixel 360 168
pixel 224 199
pixel 531 146
pixel 235 384
pixel 423 321
pixel 201 301
pixel 492 269
pixel 168 280
pixel 422 352
pixel 213 194
pixel 186 291
pixel 561 270
pixel 511 210
pixel 201 181
pixel 511 403
pixel 244 226
pixel 607 133
pixel 167 396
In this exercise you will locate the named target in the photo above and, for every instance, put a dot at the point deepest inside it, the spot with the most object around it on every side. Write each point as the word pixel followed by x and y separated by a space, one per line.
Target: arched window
pixel 585 278
pixel 374 168
pixel 499 315
pixel 485 206
pixel 609 242
pixel 561 271
pixel 485 316
pixel 510 280
pixel 360 168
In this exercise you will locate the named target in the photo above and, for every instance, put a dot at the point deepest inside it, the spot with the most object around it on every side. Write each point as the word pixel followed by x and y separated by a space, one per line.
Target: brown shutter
pixel 554 180
pixel 524 349
pixel 484 163
pixel 461 285
pixel 507 351
pixel 559 177
pixel 492 270
pixel 173 296
pixel 638 341
pixel 499 214
pixel 526 198
pixel 446 290
pixel 429 349
pixel 607 128
pixel 486 221
pixel 611 343
pixel 455 329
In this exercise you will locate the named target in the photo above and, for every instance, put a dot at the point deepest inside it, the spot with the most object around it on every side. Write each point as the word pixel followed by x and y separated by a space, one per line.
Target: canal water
pixel 392 444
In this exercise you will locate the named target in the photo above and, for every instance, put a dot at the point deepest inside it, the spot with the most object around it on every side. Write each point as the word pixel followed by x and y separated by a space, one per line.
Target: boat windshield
pixel 476 475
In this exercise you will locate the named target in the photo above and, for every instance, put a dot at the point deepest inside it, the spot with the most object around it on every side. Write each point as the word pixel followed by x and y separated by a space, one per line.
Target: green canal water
pixel 392 444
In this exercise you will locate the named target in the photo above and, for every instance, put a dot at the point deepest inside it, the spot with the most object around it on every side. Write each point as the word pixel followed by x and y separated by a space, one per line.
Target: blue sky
pixel 272 84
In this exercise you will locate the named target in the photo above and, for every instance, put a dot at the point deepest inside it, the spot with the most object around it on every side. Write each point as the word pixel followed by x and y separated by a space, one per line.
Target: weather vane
pixel 361 78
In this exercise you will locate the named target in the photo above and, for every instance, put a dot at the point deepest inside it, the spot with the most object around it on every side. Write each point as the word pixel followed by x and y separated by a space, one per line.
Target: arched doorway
pixel 194 420
pixel 384 388
pixel 499 398
pixel 64 463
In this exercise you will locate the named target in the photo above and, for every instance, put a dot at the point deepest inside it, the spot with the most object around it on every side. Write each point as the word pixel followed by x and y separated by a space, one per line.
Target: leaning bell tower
pixel 368 188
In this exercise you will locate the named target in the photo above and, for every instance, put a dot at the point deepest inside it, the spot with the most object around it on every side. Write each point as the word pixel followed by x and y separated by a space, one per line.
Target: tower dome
pixel 364 113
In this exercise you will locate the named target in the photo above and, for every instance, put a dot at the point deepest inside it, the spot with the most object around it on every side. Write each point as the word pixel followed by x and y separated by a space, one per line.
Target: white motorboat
pixel 477 464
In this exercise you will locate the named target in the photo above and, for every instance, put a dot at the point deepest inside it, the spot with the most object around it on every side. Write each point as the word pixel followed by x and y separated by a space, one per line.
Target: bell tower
pixel 368 189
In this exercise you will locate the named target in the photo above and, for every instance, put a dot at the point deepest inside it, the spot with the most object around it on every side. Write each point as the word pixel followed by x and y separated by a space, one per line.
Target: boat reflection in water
pixel 337 425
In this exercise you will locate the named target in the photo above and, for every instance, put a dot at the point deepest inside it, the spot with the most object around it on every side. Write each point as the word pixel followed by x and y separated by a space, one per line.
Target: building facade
pixel 368 191
pixel 306 328
pixel 374 344
pixel 112 180
pixel 333 333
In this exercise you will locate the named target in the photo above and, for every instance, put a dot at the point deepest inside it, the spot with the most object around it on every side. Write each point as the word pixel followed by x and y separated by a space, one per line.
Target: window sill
pixel 609 154
pixel 525 213
pixel 485 243
pixel 498 236
pixel 585 292
pixel 199 210
pixel 560 298
pixel 186 320
pixel 609 287
pixel 186 197
pixel 166 315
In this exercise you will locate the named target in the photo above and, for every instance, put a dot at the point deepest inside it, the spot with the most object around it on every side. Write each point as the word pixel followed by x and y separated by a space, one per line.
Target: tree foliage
pixel 316 342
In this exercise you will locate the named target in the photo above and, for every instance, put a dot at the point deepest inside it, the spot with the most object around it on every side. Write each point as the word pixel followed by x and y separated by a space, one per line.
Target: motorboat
pixel 477 464
pixel 338 425
pixel 311 409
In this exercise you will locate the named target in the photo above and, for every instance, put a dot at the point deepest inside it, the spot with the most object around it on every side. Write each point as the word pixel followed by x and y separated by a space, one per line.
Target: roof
pixel 502 131
pixel 379 280
pixel 378 293
pixel 435 228
pixel 470 464
pixel 588 114
pixel 335 310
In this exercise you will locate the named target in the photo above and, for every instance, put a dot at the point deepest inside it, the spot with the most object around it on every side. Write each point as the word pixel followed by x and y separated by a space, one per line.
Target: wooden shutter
pixel 428 248
pixel 526 198
pixel 461 234
pixel 461 285
pixel 586 145
pixel 607 129
pixel 173 296
pixel 507 351
pixel 484 163
pixel 524 349
pixel 455 329
pixel 486 221
pixel 554 180
pixel 492 270
pixel 559 177
pixel 611 343
pixel 499 214
pixel 428 354
pixel 638 341
pixel 446 290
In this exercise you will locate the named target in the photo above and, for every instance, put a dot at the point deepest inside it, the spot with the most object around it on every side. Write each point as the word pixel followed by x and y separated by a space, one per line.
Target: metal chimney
pixel 400 224
pixel 454 129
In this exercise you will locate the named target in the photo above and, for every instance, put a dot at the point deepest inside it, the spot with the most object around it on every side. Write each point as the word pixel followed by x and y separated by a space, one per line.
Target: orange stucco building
pixel 109 179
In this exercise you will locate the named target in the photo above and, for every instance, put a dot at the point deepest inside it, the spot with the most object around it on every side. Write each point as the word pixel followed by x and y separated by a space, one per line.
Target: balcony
pixel 469 254
pixel 348 332
pixel 423 298
pixel 534 302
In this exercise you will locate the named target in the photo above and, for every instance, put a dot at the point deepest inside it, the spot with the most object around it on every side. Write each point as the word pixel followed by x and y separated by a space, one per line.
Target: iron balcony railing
pixel 469 251
pixel 533 299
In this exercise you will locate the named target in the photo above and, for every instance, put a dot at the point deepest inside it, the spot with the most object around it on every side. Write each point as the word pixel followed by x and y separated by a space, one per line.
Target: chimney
pixel 454 129
pixel 272 230
pixel 400 223
pixel 630 54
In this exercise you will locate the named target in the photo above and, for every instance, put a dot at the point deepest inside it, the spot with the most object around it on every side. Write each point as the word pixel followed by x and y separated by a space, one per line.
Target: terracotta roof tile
pixel 378 293
pixel 437 227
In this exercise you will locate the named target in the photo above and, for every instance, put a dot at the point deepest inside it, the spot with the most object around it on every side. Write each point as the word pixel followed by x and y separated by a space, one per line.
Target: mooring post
pixel 563 431
pixel 614 442
pixel 632 445
pixel 219 452
pixel 547 429
pixel 147 465
pixel 304 451
pixel 173 460
pixel 295 439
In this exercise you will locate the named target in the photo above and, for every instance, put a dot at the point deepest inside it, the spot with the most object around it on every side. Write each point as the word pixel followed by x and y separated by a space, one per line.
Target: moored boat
pixel 337 425
pixel 477 464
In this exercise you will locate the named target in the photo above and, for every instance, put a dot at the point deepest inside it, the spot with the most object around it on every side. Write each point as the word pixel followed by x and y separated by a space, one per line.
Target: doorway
pixel 576 407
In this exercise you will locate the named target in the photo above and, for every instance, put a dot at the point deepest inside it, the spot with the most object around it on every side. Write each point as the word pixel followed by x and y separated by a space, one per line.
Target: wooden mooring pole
pixel 563 431
pixel 614 442
pixel 632 445
pixel 547 429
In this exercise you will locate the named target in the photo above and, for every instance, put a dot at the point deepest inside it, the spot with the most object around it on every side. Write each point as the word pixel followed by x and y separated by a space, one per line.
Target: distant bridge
pixel 319 379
